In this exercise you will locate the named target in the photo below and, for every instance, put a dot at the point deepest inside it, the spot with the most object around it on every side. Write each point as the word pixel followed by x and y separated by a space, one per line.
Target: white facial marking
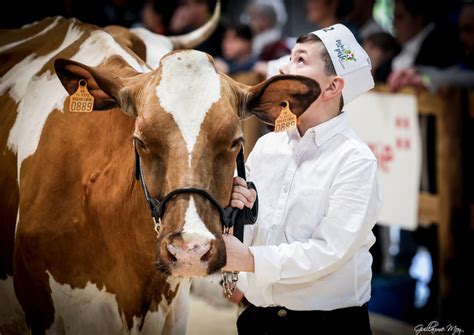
pixel 188 87
pixel 38 96
pixel 193 223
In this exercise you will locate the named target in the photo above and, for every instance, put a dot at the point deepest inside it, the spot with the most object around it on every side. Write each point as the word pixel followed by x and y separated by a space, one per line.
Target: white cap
pixel 349 59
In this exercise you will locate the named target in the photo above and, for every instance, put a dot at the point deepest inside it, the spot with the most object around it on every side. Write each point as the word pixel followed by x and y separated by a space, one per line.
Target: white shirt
pixel 318 201
pixel 406 57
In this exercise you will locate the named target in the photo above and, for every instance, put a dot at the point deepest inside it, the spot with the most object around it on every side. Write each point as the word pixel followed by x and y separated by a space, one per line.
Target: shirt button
pixel 285 189
pixel 282 313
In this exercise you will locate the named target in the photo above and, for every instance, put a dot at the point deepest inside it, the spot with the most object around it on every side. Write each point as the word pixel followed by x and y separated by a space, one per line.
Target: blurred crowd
pixel 430 43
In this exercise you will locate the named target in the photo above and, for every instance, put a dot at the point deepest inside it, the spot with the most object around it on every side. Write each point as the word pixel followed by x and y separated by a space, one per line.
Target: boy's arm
pixel 354 204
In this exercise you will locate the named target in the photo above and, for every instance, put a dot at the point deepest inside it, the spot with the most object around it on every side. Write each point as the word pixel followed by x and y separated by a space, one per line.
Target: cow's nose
pixel 189 249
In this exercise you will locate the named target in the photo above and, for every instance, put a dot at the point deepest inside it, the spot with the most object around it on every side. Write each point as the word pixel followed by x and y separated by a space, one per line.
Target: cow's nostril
pixel 171 252
pixel 206 256
pixel 171 257
pixel 188 252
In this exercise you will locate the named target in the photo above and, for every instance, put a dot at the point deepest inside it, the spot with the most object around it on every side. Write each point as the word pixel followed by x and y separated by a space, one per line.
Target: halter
pixel 229 216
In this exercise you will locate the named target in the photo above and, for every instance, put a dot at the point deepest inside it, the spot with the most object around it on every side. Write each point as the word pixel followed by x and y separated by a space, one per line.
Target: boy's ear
pixel 335 88
pixel 264 100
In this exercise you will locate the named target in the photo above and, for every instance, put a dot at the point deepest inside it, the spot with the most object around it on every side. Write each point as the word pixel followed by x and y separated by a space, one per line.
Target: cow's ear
pixel 264 100
pixel 108 87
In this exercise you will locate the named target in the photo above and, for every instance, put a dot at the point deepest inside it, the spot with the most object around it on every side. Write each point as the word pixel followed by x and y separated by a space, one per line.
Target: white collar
pixel 410 49
pixel 322 132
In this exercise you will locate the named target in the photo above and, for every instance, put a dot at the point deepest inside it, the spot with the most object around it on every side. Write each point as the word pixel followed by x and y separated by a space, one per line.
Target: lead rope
pixel 230 278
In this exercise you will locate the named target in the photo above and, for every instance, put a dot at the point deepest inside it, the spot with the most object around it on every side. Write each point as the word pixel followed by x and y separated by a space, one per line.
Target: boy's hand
pixel 404 77
pixel 239 257
pixel 236 297
pixel 241 195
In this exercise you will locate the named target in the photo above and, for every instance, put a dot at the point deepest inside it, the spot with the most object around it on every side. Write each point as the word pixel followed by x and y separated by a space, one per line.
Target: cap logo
pixel 344 54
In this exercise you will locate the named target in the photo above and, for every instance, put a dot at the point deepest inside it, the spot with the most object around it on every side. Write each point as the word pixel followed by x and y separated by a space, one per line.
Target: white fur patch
pixel 193 223
pixel 19 76
pixel 44 31
pixel 93 311
pixel 12 318
pixel 83 311
pixel 189 86
pixel 156 45
pixel 38 96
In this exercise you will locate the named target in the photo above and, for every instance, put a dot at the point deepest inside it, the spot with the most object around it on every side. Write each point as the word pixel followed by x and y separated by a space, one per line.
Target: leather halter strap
pixel 229 217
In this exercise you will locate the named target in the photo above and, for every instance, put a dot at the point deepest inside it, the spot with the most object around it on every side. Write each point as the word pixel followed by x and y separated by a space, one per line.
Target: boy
pixel 307 257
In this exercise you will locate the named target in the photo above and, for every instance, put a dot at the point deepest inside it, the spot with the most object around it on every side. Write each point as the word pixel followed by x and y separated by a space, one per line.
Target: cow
pixel 79 252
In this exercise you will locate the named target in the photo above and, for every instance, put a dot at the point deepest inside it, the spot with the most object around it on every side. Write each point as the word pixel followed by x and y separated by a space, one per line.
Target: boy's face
pixel 306 61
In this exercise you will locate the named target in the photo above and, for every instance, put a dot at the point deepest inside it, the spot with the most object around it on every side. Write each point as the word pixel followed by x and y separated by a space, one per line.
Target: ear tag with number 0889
pixel 81 100
pixel 286 120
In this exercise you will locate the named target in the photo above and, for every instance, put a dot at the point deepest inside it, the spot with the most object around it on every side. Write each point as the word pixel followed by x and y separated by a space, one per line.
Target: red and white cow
pixel 78 250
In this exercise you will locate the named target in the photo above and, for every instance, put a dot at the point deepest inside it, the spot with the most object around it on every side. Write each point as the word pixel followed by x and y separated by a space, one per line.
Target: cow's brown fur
pixel 9 197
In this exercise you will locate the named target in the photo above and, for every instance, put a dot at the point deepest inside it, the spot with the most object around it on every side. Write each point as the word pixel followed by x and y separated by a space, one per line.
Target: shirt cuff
pixel 267 264
pixel 242 283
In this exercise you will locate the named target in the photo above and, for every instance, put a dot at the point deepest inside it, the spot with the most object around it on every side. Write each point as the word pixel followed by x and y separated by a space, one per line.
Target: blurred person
pixel 426 39
pixel 192 14
pixel 307 257
pixel 236 50
pixel 266 19
pixel 324 13
pixel 362 17
pixel 120 12
pixel 423 42
pixel 381 48
pixel 321 13
pixel 419 36
pixel 432 78
pixel 156 15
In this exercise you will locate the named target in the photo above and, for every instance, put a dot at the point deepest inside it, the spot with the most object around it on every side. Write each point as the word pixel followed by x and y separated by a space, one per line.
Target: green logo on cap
pixel 343 54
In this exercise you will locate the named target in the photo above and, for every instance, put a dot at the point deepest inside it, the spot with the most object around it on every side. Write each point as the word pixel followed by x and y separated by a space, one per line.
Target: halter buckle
pixel 229 282
pixel 157 224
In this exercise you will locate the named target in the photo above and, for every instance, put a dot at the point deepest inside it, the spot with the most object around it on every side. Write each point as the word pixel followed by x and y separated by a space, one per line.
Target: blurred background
pixel 424 48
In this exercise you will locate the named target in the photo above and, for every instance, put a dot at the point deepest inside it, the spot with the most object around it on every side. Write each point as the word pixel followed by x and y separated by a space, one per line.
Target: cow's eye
pixel 140 143
pixel 237 142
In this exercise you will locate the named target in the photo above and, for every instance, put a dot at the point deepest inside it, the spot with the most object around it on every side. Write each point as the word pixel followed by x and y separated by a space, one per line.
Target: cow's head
pixel 188 130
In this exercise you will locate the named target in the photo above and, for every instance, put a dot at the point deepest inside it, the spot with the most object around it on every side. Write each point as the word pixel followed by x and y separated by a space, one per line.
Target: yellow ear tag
pixel 81 100
pixel 286 120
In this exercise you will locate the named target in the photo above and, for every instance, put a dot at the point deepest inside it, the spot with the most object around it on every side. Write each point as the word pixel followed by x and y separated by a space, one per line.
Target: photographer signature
pixel 434 328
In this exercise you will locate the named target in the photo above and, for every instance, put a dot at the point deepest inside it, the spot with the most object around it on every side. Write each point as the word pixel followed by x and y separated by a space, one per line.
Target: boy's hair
pixel 329 69
pixel 242 31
